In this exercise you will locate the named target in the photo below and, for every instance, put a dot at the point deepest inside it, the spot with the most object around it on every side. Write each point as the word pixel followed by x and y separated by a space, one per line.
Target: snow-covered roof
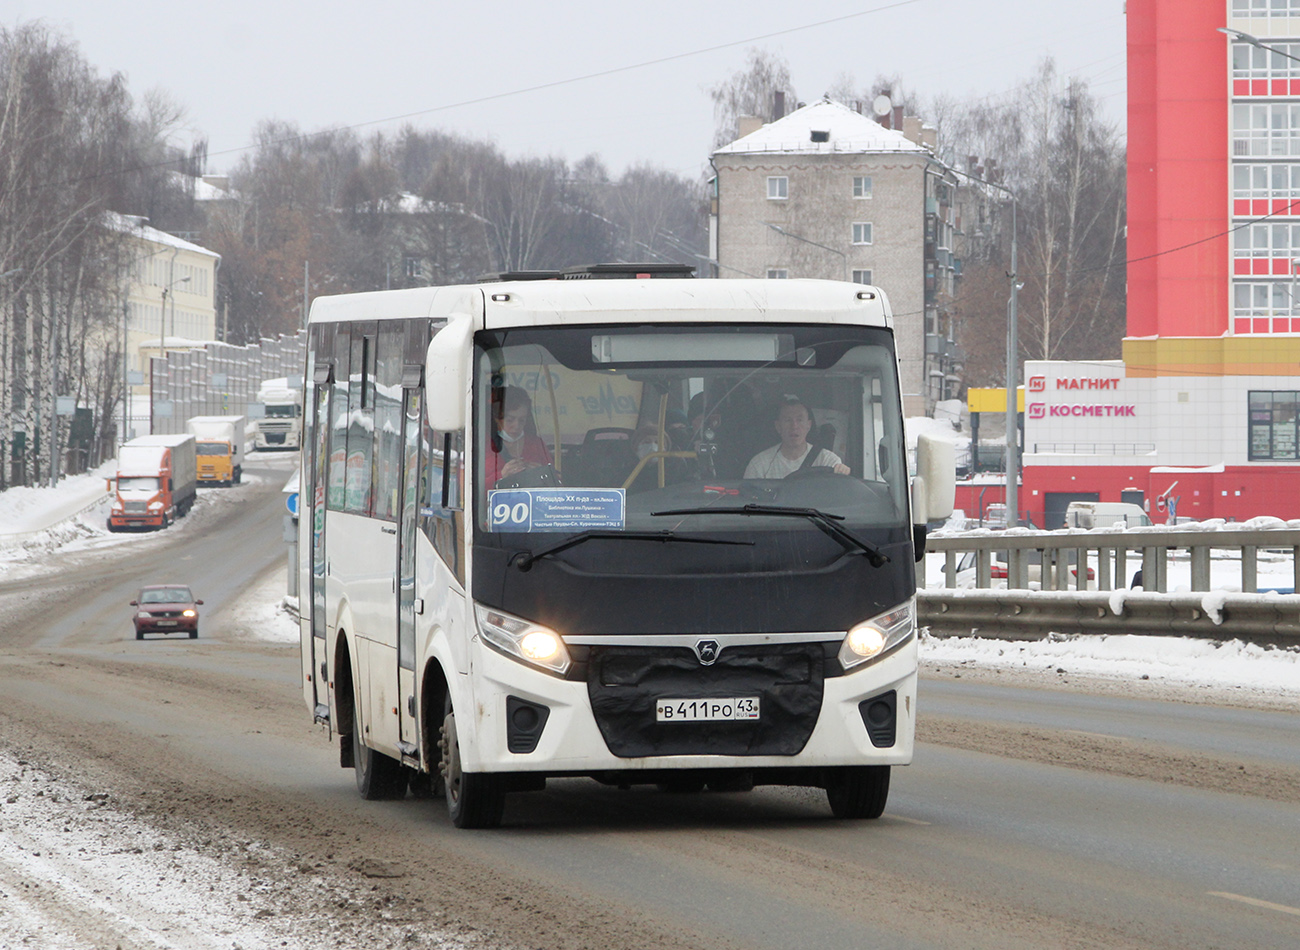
pixel 846 131
pixel 204 189
pixel 135 226
pixel 408 203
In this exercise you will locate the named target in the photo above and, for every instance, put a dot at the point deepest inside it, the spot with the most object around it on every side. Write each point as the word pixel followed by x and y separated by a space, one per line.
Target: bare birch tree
pixel 750 91
pixel 64 142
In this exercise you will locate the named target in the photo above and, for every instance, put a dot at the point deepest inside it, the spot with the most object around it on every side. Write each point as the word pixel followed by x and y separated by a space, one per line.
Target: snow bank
pixel 1175 660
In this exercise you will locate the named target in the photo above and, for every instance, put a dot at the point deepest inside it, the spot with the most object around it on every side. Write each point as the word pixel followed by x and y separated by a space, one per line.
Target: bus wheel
pixel 378 776
pixel 858 791
pixel 474 799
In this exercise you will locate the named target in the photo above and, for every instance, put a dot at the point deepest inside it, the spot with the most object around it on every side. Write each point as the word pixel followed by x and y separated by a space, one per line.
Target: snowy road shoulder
pixel 1219 671
pixel 77 870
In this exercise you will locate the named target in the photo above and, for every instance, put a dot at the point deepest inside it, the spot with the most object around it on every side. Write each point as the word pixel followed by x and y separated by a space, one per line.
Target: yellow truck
pixel 220 458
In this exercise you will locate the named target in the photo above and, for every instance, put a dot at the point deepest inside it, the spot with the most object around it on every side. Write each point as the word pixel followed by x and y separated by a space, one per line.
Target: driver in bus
pixel 515 446
pixel 794 453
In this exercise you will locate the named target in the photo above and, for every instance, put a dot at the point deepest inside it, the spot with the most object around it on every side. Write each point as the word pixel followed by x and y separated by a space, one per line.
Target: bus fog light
pixel 877 636
pixel 522 640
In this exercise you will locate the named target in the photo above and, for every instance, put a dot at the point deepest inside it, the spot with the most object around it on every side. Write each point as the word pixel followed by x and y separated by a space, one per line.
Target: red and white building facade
pixel 1203 410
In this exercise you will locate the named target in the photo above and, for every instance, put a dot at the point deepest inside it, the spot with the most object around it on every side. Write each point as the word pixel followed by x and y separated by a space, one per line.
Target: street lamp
pixel 825 247
pixel 1013 373
pixel 162 315
pixel 1255 42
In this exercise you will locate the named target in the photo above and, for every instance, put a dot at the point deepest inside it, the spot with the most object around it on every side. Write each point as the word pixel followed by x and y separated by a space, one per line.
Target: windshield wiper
pixel 824 520
pixel 524 559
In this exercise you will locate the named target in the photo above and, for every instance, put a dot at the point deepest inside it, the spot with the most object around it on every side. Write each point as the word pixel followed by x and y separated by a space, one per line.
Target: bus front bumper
pixel 570 739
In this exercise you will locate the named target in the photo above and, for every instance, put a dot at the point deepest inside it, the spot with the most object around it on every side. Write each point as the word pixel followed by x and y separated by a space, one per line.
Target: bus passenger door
pixel 319 467
pixel 407 523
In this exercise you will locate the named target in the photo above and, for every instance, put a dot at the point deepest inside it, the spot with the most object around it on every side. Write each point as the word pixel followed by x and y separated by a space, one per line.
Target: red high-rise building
pixel 1202 409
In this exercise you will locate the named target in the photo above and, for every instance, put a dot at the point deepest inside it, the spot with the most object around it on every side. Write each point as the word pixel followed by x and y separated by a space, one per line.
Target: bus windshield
pixel 674 428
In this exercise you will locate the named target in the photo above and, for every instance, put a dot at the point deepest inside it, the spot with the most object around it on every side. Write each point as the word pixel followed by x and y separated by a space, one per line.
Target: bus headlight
pixel 877 636
pixel 526 641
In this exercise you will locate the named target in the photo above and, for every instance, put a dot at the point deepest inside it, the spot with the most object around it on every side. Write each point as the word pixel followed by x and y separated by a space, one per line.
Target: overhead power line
pixel 479 100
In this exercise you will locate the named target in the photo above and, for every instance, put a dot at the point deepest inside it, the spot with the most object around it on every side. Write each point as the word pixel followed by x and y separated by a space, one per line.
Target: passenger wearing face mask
pixel 516 445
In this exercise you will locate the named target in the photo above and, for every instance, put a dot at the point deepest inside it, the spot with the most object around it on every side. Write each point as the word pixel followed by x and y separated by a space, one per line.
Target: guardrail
pixel 1112 553
pixel 1014 611
pixel 20 537
pixel 1264 619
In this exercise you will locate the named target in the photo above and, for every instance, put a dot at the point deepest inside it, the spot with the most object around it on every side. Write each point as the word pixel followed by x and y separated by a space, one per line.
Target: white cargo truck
pixel 281 425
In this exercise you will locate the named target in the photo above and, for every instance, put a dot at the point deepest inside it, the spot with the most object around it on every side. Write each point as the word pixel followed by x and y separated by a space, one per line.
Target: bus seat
pixel 606 457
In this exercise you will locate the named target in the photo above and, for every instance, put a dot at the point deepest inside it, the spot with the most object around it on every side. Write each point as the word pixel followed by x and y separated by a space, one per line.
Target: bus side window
pixel 453 491
pixel 444 524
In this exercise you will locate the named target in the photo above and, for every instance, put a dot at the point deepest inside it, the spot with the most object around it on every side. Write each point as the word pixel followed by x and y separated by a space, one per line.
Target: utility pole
pixel 126 374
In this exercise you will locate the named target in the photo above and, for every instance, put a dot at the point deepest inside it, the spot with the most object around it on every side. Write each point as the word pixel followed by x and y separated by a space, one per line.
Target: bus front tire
pixel 858 791
pixel 474 799
pixel 378 776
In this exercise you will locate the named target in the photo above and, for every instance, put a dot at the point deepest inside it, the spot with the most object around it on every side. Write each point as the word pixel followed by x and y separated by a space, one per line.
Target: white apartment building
pixel 826 192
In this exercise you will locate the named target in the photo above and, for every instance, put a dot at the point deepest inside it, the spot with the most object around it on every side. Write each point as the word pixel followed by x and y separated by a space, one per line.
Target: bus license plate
pixel 706 710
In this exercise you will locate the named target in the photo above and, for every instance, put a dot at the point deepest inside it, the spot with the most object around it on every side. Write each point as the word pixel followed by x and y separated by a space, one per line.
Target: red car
pixel 166 608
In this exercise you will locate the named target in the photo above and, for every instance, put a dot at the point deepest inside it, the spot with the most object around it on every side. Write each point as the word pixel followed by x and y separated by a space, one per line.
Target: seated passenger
pixel 793 423
pixel 516 445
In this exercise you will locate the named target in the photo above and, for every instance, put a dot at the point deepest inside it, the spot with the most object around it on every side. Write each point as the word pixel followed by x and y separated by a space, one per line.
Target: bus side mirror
pixel 935 487
pixel 446 374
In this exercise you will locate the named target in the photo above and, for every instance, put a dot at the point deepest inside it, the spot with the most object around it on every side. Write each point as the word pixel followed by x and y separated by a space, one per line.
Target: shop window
pixel 1272 421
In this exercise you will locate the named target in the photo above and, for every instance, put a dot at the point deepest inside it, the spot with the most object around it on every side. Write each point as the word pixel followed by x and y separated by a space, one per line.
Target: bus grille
pixel 624 683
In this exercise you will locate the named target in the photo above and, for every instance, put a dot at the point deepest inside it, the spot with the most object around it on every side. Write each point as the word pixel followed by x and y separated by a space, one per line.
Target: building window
pixel 778 273
pixel 778 187
pixel 1263 181
pixel 861 232
pixel 1273 425
pixel 1265 8
pixel 862 186
pixel 1266 240
pixel 1264 306
pixel 862 277
pixel 1252 62
pixel 1261 130
pixel 1262 298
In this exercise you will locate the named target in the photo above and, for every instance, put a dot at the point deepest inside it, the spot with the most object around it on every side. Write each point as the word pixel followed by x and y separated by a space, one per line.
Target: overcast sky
pixel 233 63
